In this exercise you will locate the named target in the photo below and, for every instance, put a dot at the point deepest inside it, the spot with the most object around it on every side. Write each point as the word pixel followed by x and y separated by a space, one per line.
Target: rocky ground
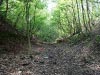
pixel 56 59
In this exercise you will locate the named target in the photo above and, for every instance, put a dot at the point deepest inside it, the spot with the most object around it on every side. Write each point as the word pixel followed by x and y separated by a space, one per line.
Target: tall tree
pixel 27 7
pixel 6 7
pixel 88 14
pixel 83 15
pixel 78 14
pixel 74 17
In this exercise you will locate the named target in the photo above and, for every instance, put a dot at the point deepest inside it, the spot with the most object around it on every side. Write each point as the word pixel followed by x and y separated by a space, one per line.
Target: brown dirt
pixel 48 59
pixel 55 59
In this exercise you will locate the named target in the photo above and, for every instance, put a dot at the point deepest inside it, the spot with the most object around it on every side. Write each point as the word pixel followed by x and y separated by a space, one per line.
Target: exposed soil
pixel 48 59
pixel 55 59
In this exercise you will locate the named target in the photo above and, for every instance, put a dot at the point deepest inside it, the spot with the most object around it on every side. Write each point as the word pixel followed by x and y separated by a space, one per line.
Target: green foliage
pixel 69 17
pixel 48 34
pixel 2 14
pixel 97 39
pixel 75 39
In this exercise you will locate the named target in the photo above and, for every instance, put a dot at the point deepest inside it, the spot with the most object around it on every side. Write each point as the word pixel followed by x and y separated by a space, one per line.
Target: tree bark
pixel 88 14
pixel 83 15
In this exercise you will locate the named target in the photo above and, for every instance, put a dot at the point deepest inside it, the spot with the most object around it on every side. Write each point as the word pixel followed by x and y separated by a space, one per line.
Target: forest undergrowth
pixel 49 37
pixel 59 58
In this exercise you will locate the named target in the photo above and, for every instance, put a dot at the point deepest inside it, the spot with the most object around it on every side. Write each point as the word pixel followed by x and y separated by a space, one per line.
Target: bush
pixel 47 34
pixel 75 39
pixel 97 39
pixel 2 15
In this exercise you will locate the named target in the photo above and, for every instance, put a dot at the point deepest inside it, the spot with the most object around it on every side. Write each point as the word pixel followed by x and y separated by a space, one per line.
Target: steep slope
pixel 10 38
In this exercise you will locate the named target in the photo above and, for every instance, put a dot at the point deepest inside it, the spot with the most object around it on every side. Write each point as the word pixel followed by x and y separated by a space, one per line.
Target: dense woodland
pixel 49 37
pixel 67 18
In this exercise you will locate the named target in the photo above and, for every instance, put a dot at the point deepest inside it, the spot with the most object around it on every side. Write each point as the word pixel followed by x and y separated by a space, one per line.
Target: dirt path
pixel 56 59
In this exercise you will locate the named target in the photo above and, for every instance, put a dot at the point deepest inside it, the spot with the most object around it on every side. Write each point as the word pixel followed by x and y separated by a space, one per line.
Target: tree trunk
pixel 83 15
pixel 27 5
pixel 74 18
pixel 6 8
pixel 88 14
pixel 78 14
